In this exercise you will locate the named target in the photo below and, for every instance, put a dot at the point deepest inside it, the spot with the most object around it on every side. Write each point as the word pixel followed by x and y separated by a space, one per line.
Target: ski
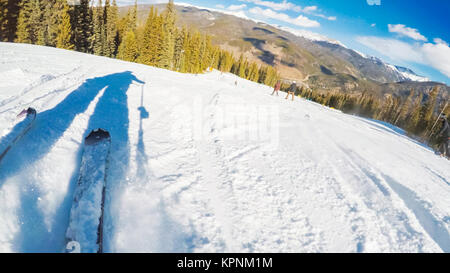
pixel 86 216
pixel 21 128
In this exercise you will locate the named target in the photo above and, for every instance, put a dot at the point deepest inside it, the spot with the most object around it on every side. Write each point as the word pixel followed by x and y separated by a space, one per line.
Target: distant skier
pixel 445 136
pixel 277 87
pixel 292 89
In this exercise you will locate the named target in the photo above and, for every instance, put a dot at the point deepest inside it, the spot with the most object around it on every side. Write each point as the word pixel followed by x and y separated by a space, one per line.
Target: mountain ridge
pixel 310 58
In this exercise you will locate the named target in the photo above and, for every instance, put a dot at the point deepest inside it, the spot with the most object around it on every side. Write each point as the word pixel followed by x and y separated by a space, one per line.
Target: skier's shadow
pixel 111 113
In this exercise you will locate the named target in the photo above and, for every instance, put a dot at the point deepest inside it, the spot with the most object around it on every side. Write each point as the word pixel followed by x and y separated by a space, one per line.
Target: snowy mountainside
pixel 411 75
pixel 399 73
pixel 370 67
pixel 199 164
pixel 296 53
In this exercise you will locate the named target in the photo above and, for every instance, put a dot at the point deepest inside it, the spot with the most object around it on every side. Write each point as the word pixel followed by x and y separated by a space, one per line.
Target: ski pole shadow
pixel 168 233
pixel 141 155
pixel 35 235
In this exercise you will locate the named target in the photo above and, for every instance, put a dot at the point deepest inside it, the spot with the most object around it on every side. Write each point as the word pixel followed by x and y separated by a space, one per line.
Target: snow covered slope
pixel 411 75
pixel 200 164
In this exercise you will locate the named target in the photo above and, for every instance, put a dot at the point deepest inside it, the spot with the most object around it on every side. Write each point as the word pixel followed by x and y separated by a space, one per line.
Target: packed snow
pixel 208 163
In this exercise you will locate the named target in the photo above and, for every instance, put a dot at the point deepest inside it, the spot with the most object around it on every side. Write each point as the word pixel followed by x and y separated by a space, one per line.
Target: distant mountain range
pixel 310 58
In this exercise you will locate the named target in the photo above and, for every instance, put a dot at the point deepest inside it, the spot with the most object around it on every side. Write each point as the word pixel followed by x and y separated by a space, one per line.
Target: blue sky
pixel 411 33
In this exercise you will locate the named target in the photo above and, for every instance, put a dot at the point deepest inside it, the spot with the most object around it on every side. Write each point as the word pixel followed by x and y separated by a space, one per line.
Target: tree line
pixel 94 26
pixel 416 114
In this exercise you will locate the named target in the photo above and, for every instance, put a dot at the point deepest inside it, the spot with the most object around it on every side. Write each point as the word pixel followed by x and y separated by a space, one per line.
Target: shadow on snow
pixel 111 113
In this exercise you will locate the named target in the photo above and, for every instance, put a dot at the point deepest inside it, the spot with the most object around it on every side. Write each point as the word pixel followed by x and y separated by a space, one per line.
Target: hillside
pixel 317 61
pixel 198 164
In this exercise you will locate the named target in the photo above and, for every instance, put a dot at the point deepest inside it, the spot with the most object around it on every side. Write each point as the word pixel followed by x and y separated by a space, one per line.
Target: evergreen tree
pixel 37 27
pixel 253 72
pixel 51 21
pixel 215 55
pixel 430 106
pixel 3 19
pixel 24 27
pixel 98 37
pixel 63 39
pixel 416 115
pixel 152 39
pixel 167 49
pixel 262 74
pixel 128 50
pixel 111 18
pixel 404 110
pixel 192 51
pixel 241 66
pixel 383 113
pixel 81 22
pixel 147 47
pixel 168 45
pixel 132 18
pixel 178 58
pixel 271 76
pixel 12 15
pixel 185 54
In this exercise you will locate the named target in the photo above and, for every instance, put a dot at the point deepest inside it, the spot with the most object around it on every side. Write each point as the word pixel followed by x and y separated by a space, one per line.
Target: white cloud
pixel 239 13
pixel 131 2
pixel 440 41
pixel 373 25
pixel 313 10
pixel 395 49
pixel 301 20
pixel 310 9
pixel 285 5
pixel 220 6
pixel 407 31
pixel 237 7
pixel 436 55
pixel 275 5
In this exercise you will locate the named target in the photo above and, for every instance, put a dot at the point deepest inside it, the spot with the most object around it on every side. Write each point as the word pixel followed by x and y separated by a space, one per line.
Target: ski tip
pixel 31 111
pixel 97 135
pixel 28 112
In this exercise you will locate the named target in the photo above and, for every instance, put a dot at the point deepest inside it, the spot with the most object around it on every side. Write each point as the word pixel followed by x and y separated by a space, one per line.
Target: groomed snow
pixel 199 164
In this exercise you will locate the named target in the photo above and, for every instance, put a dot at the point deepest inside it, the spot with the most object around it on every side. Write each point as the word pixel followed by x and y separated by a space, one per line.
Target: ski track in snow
pixel 191 171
